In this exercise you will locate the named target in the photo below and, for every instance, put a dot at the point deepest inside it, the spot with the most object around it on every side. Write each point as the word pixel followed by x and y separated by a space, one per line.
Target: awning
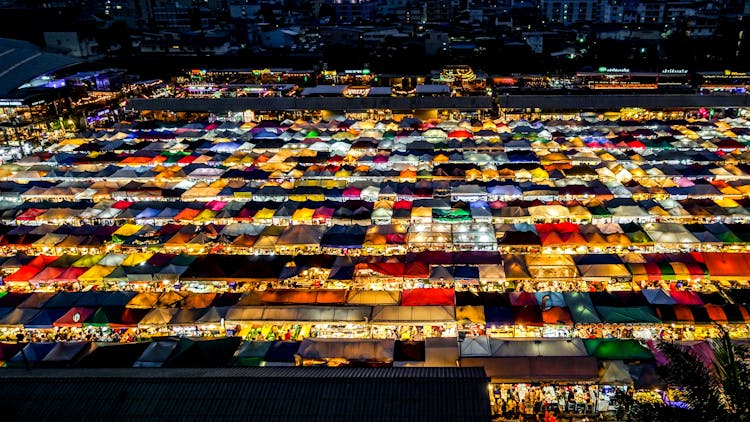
pixel 728 266
pixel 557 316
pixel 527 316
pixel 615 372
pixel 736 313
pixel 373 297
pixel 474 347
pixel 470 314
pixel 413 314
pixel 537 369
pixel 537 347
pixel 582 310
pixel 251 353
pixel 74 317
pixel 610 349
pixel 498 316
pixel 423 297
pixel 658 297
pixel 627 314
pixel 368 350
pixel 675 313
pixel 302 297
pixel 319 314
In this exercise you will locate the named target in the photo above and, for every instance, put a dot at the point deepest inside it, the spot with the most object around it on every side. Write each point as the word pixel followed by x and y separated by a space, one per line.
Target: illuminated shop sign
pixel 10 103
pixel 357 91
pixel 673 71
pixel 614 69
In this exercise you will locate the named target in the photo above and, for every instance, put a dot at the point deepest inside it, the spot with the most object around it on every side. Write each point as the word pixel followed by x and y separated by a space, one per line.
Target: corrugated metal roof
pixel 262 372
pixel 312 103
pixel 325 394
pixel 21 62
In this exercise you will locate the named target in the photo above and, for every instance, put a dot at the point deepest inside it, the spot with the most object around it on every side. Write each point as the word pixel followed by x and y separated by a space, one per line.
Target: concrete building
pixel 352 11
pixel 571 11
pixel 279 38
pixel 72 43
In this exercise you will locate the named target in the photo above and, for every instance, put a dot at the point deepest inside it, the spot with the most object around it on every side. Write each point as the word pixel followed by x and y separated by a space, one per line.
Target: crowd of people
pixel 58 334
pixel 524 402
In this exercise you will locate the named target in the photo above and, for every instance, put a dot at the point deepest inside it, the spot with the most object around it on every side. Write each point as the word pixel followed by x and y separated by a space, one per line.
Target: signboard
pixel 356 91
pixel 614 70
pixel 673 71
pixel 459 72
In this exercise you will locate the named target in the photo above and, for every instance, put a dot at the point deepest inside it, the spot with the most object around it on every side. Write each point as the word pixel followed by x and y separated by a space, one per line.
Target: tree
pixel 717 392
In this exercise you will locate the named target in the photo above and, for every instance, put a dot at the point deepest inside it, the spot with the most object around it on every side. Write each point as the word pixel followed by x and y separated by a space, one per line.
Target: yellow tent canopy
pixel 127 230
pixel 136 258
pixel 470 314
pixel 95 274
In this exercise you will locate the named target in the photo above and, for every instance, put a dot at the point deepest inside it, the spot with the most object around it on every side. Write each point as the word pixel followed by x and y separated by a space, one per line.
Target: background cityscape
pixel 547 36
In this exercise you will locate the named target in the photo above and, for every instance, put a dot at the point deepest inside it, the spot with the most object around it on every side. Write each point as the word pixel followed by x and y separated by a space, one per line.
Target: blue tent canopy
pixel 553 299
pixel 45 318
pixel 282 351
pixel 658 297
pixel 498 315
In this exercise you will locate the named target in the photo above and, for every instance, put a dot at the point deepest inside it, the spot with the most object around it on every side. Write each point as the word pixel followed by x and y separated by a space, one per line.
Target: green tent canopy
pixel 627 314
pixel 103 316
pixel 582 310
pixel 610 349
pixel 728 237
pixel 639 237
pixel 251 353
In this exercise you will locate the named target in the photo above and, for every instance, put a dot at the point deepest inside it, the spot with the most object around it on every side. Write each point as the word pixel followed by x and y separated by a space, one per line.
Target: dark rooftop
pixel 616 101
pixel 312 103
pixel 21 61
pixel 268 393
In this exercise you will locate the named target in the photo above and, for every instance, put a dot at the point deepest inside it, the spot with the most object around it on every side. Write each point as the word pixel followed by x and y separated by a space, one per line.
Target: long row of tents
pixel 590 357
pixel 426 268
pixel 472 205
pixel 374 239
pixel 118 309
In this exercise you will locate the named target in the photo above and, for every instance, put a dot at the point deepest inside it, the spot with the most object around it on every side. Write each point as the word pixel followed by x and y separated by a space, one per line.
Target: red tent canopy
pixel 129 318
pixel 557 227
pixel 30 214
pixel 716 313
pixel 683 313
pixel 74 317
pixel 686 297
pixel 397 269
pixel 121 205
pixel 402 205
pixel 523 299
pixel 460 134
pixel 527 315
pixel 727 265
pixel 23 275
pixel 425 297
pixel 557 315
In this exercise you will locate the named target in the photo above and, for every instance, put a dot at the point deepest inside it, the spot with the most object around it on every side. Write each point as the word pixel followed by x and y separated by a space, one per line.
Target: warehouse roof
pixel 21 61
pixel 269 393
pixel 313 103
